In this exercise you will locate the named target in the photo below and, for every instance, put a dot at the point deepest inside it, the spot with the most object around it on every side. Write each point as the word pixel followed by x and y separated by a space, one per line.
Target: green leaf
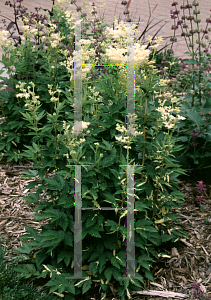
pixel 61 255
pixel 126 283
pixel 115 263
pixel 40 115
pixel 108 273
pixel 145 265
pixel 32 231
pixel 94 232
pixel 190 61
pixel 25 248
pixel 36 147
pixel 33 198
pixel 86 286
pixel 27 270
pixel 56 183
pixel 2 145
pixel 110 244
pixel 32 184
pixel 154 238
pixel 63 222
pixel 102 261
pixel 52 235
pixel 149 275
pixel 70 287
pixel 10 137
pixel 195 116
pixel 113 224
pixel 140 206
pixel 165 237
pixel 136 281
pixel 68 239
pixel 91 220
pixel 116 274
pixel 108 145
pixel 30 173
pixel 121 258
pixel 93 267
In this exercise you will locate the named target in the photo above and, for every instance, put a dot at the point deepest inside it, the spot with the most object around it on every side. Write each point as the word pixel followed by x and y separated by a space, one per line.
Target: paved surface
pixel 137 8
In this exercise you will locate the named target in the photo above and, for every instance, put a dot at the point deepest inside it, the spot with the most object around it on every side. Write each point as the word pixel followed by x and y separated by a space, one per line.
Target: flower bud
pixel 195 3
pixel 196 12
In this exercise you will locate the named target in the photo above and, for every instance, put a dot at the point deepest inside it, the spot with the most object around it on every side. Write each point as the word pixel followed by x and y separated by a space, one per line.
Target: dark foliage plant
pixel 50 253
pixel 47 108
pixel 12 287
pixel 194 81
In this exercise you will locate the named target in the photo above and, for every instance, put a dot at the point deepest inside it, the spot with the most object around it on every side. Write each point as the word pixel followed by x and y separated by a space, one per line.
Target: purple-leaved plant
pixel 198 294
pixel 201 187
pixel 188 34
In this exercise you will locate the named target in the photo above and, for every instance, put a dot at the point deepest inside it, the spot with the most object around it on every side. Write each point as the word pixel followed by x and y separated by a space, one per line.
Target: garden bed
pixel 189 259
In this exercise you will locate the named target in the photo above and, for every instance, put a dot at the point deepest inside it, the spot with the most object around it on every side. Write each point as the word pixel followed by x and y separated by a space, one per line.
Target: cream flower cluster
pixel 120 34
pixel 71 141
pixel 29 102
pixel 95 96
pixel 5 41
pixel 53 98
pixel 125 139
pixel 79 125
pixel 85 54
pixel 118 55
pixel 167 117
pixel 28 31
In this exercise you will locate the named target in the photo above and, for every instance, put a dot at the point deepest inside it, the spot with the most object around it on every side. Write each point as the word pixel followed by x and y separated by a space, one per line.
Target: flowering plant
pixel 198 77
pixel 193 85
pixel 201 187
pixel 105 152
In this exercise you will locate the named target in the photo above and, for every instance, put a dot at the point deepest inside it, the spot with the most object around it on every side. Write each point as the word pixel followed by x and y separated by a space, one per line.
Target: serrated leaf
pixel 117 274
pixel 32 184
pixel 63 222
pixel 165 237
pixel 25 248
pixel 115 263
pixel 30 173
pixel 86 286
pixel 61 255
pixel 108 145
pixel 33 198
pixel 136 281
pixel 67 259
pixel 102 261
pixel 149 275
pixel 32 231
pixel 68 238
pixel 93 267
pixel 55 183
pixel 108 273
